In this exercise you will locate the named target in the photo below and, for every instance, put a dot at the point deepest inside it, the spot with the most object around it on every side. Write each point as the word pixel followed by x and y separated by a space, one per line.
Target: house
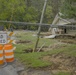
pixel 63 30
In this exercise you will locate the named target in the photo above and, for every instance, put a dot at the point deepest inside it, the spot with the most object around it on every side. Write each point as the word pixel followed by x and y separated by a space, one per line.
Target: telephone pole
pixel 41 20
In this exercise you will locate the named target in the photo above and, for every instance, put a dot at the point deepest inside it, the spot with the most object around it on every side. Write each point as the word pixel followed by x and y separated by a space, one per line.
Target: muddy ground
pixel 36 72
pixel 60 62
pixel 22 42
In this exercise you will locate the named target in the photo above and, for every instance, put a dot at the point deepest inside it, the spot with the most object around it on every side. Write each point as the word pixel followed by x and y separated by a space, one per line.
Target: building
pixel 61 29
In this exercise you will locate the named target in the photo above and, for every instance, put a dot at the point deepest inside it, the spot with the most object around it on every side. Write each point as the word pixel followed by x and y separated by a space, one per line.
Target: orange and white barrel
pixel 8 51
pixel 1 55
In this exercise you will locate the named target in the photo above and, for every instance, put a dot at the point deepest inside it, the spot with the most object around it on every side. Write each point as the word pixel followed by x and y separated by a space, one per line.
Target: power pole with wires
pixel 41 20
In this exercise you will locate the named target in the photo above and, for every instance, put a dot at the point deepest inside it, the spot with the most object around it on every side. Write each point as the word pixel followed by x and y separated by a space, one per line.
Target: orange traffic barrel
pixel 9 54
pixel 1 55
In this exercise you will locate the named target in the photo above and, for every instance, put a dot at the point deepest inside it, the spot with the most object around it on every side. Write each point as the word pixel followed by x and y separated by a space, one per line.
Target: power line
pixel 43 24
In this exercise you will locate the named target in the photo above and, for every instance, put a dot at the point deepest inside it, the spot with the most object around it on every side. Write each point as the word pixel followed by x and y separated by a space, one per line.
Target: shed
pixel 60 21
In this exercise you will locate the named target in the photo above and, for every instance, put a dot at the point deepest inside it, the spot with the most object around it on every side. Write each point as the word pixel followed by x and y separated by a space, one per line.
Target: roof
pixel 71 20
pixel 65 21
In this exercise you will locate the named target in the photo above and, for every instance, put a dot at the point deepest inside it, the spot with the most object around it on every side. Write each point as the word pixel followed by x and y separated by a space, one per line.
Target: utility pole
pixel 41 20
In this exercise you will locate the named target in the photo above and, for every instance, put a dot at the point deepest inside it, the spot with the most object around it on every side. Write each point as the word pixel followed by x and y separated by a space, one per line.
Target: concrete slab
pixel 8 70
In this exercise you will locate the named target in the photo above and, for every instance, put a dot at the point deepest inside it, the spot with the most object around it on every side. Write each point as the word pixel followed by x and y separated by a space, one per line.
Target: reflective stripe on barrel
pixel 1 55
pixel 11 34
pixel 9 54
pixel 10 40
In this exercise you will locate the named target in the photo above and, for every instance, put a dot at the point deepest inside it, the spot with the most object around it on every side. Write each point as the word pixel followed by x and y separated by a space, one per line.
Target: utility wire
pixel 43 24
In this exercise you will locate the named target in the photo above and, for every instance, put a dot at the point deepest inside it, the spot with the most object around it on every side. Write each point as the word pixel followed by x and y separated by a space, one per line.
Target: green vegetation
pixel 34 59
pixel 30 11
pixel 69 8
pixel 27 10
pixel 63 73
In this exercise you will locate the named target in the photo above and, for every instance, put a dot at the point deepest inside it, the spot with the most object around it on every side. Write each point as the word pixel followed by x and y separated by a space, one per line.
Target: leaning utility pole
pixel 41 20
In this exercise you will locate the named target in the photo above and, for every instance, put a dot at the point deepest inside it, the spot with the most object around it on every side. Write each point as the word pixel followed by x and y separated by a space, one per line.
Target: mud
pixel 30 50
pixel 23 42
pixel 46 48
pixel 62 62
pixel 69 41
pixel 36 72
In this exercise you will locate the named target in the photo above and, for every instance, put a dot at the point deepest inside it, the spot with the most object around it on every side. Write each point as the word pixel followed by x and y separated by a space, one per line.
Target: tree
pixel 14 7
pixel 28 10
pixel 55 4
pixel 31 15
pixel 28 3
pixel 69 9
pixel 48 15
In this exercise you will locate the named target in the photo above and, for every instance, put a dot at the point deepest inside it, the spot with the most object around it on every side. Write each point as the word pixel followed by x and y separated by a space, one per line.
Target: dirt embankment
pixel 62 62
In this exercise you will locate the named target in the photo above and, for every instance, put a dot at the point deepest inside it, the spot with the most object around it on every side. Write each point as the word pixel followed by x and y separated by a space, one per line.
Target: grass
pixel 34 59
pixel 63 73
pixel 69 50
pixel 31 59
